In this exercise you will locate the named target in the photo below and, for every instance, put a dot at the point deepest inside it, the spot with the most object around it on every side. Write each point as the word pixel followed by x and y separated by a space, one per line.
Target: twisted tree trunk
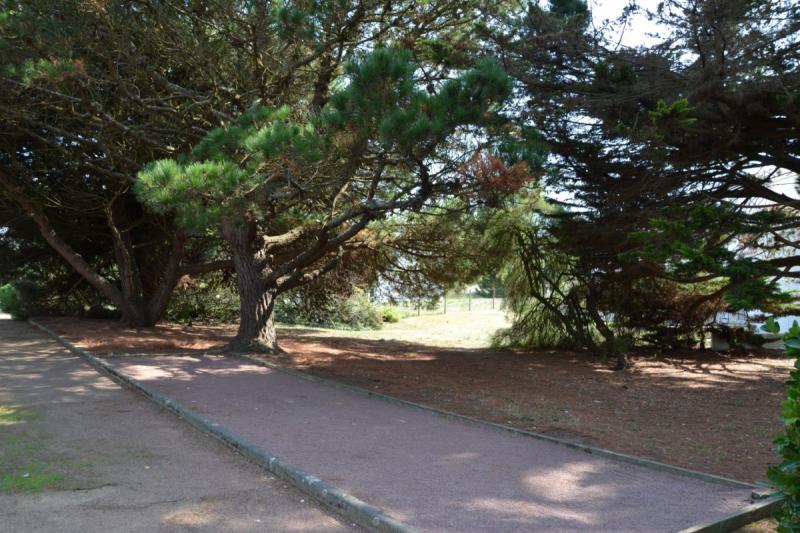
pixel 256 321
pixel 256 299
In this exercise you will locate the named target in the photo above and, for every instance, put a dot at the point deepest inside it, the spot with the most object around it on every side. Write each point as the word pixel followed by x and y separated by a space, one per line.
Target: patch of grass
pixel 23 467
pixel 456 329
pixel 32 477
pixel 13 415
pixel 768 525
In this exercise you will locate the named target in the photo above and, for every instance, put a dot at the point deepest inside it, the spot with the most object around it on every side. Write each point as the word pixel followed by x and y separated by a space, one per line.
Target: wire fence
pixel 460 304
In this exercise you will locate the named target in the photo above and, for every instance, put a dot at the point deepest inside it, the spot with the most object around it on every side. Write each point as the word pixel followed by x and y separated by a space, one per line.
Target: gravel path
pixel 433 473
pixel 125 465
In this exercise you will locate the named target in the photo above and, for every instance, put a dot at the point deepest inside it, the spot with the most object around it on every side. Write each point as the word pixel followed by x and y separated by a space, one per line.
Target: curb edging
pixel 344 504
pixel 734 521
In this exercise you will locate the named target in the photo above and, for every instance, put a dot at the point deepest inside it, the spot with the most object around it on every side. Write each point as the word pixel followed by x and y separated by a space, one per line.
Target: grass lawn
pixel 462 329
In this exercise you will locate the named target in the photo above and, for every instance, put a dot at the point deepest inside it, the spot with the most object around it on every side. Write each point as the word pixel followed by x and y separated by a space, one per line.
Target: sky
pixel 637 30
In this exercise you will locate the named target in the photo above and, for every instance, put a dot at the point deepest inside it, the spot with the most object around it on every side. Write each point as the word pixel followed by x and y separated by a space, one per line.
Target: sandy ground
pixel 114 462
pixel 711 412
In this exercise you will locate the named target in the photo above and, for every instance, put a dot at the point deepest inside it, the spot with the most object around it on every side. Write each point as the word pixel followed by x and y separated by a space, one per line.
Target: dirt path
pixel 430 472
pixel 80 454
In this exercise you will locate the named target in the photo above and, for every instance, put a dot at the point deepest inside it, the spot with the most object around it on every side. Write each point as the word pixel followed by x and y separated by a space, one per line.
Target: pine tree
pixel 288 189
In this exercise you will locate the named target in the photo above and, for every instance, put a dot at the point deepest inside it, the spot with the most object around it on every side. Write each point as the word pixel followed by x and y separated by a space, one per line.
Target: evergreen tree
pixel 91 91
pixel 664 155
pixel 288 189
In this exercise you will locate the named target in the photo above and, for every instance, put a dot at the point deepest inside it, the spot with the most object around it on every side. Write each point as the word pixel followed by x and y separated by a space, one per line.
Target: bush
pixel 333 310
pixel 358 312
pixel 18 299
pixel 212 298
pixel 390 314
pixel 786 476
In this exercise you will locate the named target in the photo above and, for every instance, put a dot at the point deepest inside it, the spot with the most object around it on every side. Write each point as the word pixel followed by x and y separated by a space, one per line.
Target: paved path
pixel 126 465
pixel 431 472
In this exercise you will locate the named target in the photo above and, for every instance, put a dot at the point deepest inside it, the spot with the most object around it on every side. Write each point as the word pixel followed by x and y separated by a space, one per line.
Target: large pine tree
pixel 287 188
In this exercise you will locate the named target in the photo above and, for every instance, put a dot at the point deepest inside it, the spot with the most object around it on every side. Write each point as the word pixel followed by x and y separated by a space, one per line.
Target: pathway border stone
pixel 370 516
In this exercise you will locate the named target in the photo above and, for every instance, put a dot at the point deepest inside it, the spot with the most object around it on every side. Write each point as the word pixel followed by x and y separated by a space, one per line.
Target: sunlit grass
pixel 13 415
pixel 457 329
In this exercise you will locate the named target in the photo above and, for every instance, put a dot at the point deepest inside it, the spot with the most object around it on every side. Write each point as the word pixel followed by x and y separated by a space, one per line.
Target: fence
pixel 460 304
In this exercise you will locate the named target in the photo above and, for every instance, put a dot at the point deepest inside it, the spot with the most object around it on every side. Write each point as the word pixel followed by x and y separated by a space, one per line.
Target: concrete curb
pixel 344 504
pixel 734 521
pixel 602 452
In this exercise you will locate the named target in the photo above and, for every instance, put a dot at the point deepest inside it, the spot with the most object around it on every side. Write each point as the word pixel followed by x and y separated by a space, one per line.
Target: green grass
pixel 32 477
pixel 21 451
pixel 13 415
pixel 455 329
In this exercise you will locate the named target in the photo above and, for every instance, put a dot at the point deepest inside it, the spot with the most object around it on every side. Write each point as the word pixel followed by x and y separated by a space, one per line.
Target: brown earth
pixel 706 411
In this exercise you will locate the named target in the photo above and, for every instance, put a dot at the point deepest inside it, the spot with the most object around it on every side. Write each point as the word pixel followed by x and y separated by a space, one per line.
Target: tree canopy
pixel 626 194
pixel 288 194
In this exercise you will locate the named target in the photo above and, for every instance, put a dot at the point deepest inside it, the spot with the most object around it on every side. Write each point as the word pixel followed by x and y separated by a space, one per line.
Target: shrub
pixel 786 475
pixel 18 299
pixel 210 299
pixel 358 312
pixel 354 311
pixel 390 314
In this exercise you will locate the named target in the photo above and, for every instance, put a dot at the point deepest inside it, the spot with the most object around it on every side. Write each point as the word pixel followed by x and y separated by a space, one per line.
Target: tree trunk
pixel 623 362
pixel 612 347
pixel 127 266
pixel 256 301
pixel 256 323
pixel 159 300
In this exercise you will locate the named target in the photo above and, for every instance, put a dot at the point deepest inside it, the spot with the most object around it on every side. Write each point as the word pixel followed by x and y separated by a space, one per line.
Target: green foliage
pixel 540 291
pixel 569 8
pixel 694 241
pixel 678 112
pixel 526 145
pixel 233 167
pixel 43 69
pixel 665 219
pixel 210 299
pixel 786 475
pixel 215 187
pixel 490 286
pixel 19 299
pixel 383 98
pixel 351 312
pixel 359 312
pixel 390 315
